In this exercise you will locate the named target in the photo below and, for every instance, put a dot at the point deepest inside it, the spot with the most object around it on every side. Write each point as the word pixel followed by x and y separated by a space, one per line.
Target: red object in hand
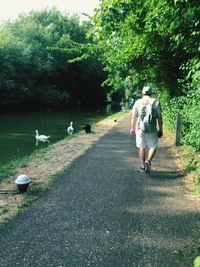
pixel 132 132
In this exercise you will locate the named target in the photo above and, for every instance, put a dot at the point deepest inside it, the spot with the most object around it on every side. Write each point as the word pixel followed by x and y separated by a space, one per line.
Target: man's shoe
pixel 141 169
pixel 147 165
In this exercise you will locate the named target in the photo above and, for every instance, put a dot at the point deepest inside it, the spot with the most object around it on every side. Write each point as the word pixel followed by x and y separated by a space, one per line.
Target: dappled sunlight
pixel 150 240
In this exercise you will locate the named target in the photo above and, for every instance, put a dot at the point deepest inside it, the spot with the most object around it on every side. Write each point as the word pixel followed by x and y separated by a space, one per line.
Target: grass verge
pixel 188 160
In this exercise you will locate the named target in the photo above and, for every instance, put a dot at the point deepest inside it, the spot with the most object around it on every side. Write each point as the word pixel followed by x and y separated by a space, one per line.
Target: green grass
pixel 190 160
pixel 9 169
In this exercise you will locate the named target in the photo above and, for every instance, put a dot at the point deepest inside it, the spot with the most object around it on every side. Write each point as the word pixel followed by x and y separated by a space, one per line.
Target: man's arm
pixel 160 123
pixel 133 122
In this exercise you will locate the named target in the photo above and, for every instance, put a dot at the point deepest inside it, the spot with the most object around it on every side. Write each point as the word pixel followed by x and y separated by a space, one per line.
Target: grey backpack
pixel 145 115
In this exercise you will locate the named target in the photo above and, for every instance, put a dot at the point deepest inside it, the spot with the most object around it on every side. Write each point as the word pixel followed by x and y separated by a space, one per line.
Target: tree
pixel 156 43
pixel 35 76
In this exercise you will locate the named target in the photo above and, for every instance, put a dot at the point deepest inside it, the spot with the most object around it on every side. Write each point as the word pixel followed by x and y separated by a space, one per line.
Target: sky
pixel 10 9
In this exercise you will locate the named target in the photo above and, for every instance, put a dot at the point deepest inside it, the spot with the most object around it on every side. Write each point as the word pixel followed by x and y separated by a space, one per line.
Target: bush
pixel 189 107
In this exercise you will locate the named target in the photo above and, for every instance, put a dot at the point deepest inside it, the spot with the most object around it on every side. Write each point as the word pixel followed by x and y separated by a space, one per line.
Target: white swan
pixel 70 129
pixel 41 137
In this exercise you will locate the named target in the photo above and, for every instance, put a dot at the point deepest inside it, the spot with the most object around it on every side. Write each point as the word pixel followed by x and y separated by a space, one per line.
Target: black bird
pixel 87 128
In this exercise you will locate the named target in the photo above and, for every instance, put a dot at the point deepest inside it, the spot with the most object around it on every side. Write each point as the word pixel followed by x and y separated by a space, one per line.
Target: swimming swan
pixel 41 137
pixel 70 129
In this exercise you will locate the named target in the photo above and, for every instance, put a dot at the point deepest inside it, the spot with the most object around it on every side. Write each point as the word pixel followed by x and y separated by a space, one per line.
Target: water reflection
pixel 17 132
pixel 42 141
pixel 42 138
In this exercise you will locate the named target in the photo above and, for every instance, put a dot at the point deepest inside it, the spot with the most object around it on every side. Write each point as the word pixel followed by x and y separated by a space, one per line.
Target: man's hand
pixel 160 134
pixel 132 132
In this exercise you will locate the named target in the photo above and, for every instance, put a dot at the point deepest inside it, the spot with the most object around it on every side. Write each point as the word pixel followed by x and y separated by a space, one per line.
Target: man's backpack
pixel 145 115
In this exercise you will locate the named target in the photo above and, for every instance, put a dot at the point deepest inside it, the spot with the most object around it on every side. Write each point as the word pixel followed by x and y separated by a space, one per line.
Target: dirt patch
pixel 42 168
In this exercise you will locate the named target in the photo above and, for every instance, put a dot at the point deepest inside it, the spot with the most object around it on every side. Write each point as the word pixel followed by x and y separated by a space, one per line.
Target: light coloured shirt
pixel 156 109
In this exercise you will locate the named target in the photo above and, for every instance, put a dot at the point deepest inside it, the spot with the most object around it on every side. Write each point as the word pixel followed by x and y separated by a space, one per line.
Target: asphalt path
pixel 103 212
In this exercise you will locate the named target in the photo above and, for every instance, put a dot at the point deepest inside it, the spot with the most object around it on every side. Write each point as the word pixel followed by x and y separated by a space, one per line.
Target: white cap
pixel 146 90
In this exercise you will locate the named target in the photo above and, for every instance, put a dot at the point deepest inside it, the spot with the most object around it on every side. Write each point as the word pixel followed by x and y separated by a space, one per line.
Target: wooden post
pixel 178 129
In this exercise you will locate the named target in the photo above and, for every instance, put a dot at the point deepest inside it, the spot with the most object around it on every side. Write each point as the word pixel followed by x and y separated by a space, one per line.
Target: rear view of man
pixel 146 113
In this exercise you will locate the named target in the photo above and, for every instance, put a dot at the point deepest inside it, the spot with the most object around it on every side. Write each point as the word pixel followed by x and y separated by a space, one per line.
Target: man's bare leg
pixel 151 153
pixel 147 163
pixel 142 152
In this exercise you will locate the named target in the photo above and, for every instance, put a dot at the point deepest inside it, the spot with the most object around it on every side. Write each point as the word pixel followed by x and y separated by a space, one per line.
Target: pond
pixel 17 130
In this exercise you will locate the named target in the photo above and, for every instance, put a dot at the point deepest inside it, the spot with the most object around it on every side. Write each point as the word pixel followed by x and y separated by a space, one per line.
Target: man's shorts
pixel 144 140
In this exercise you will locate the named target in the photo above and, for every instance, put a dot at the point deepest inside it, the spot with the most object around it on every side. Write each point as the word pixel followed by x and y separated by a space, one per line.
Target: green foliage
pixel 197 262
pixel 189 107
pixel 34 76
pixel 134 37
pixel 179 253
pixel 155 42
pixel 194 250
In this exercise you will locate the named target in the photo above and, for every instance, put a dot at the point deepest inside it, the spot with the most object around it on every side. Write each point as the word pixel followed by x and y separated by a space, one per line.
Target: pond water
pixel 17 130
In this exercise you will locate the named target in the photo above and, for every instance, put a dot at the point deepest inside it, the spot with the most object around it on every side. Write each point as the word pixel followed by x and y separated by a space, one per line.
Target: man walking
pixel 146 114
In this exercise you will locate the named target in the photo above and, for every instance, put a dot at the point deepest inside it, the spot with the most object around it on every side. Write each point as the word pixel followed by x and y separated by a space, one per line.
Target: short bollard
pixel 22 182
pixel 178 129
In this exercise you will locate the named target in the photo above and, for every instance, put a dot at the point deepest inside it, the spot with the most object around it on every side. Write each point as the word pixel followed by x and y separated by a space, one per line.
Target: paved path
pixel 103 212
